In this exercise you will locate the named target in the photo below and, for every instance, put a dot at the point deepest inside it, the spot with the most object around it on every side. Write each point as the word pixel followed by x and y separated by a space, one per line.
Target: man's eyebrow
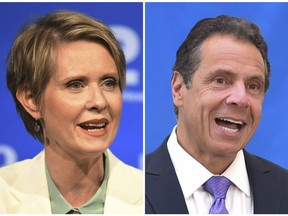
pixel 258 77
pixel 222 72
pixel 229 73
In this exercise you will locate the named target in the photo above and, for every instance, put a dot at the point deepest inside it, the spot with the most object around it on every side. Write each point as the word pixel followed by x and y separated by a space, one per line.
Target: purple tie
pixel 218 186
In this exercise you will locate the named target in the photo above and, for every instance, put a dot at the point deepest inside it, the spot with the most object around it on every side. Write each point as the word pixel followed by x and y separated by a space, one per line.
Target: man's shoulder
pixel 264 164
pixel 159 150
pixel 158 154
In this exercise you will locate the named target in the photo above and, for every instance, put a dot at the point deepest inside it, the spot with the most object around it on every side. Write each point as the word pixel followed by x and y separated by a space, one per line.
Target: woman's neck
pixel 77 180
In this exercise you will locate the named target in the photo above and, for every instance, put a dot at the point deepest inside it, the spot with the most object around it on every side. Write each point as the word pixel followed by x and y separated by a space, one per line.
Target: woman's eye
pixel 110 83
pixel 76 84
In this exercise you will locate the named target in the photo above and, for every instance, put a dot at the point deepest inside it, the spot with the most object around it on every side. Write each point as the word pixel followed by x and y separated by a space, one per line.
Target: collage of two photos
pixel 143 108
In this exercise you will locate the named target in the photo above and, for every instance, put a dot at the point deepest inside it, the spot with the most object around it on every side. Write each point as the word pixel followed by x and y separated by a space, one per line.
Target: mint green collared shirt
pixel 94 206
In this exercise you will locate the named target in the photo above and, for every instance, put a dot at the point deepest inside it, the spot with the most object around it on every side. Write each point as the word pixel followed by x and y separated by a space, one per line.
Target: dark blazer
pixel 163 194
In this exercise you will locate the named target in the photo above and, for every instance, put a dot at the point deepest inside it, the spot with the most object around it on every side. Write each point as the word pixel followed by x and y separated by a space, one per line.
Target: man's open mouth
pixel 230 125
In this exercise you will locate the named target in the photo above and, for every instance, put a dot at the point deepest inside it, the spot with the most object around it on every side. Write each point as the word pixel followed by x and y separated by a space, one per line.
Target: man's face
pixel 221 110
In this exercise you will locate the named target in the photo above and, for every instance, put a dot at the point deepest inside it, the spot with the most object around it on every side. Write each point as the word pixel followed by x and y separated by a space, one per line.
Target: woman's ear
pixel 177 85
pixel 28 102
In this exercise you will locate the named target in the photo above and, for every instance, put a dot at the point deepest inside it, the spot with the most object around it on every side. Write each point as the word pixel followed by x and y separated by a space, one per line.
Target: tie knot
pixel 217 186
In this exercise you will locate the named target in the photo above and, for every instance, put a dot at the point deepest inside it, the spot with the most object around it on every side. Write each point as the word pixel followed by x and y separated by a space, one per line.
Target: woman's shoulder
pixel 125 182
pixel 116 163
pixel 12 171
pixel 124 173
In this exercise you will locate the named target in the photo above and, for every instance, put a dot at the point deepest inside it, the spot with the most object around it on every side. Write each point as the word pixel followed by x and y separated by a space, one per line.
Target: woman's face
pixel 82 103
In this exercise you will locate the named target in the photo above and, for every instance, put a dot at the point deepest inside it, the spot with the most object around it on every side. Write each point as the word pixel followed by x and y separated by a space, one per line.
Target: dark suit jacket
pixel 163 194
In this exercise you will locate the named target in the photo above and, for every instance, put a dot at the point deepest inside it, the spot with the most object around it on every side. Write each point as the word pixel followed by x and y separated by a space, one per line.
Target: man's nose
pixel 238 96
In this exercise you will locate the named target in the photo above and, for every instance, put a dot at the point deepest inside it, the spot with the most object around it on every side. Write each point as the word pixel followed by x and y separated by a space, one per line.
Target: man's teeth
pixel 232 121
pixel 229 129
pixel 230 125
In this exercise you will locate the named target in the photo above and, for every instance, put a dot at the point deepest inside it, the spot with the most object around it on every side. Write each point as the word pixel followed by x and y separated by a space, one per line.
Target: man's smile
pixel 230 125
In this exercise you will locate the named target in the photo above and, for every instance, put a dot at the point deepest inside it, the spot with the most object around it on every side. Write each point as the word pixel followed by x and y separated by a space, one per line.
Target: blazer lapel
pixel 124 193
pixel 30 188
pixel 266 195
pixel 114 205
pixel 30 204
pixel 163 190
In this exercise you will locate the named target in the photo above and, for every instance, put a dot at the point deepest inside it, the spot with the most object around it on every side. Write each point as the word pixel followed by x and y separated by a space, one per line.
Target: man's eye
pixel 253 87
pixel 256 88
pixel 219 81
pixel 76 84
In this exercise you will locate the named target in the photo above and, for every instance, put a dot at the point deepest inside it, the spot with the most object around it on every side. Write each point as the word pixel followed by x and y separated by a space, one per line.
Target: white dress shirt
pixel 192 175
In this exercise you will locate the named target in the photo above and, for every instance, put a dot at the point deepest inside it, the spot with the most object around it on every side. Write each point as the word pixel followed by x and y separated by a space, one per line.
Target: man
pixel 219 80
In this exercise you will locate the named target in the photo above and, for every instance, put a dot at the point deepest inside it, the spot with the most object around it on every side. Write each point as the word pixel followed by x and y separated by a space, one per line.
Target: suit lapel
pixel 163 190
pixel 266 195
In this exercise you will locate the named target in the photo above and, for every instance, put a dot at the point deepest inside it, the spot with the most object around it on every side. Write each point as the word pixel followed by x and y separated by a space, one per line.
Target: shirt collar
pixel 237 173
pixel 192 175
pixel 94 206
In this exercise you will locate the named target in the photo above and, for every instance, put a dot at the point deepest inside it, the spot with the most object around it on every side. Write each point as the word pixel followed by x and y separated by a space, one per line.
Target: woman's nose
pixel 96 99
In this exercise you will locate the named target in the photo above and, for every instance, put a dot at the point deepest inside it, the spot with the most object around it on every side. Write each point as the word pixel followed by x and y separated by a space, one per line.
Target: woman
pixel 66 73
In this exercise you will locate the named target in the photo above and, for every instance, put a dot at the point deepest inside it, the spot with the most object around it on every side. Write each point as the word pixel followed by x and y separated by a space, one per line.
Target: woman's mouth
pixel 93 126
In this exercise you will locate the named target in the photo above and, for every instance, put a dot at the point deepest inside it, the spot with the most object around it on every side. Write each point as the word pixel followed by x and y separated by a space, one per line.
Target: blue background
pixel 167 25
pixel 15 143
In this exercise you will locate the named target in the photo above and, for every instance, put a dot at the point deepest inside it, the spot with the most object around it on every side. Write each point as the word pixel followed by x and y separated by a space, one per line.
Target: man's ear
pixel 28 102
pixel 177 85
